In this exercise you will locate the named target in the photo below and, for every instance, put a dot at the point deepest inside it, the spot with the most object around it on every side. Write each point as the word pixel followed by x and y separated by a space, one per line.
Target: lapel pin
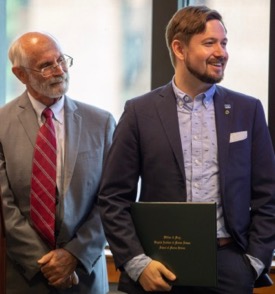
pixel 227 108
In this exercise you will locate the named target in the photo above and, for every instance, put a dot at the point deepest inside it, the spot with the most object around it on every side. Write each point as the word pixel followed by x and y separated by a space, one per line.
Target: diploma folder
pixel 182 236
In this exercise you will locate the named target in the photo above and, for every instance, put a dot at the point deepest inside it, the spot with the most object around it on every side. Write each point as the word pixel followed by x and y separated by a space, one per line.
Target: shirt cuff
pixel 256 264
pixel 136 265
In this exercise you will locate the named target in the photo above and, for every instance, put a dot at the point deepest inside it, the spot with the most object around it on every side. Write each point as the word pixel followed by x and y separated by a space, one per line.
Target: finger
pixel 167 274
pixel 46 258
pixel 61 283
pixel 75 279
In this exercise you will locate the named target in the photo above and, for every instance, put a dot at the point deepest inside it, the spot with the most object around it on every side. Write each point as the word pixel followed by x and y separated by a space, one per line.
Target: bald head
pixel 32 55
pixel 27 46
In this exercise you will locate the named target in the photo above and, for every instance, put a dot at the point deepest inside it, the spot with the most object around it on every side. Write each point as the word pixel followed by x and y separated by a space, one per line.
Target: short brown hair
pixel 186 22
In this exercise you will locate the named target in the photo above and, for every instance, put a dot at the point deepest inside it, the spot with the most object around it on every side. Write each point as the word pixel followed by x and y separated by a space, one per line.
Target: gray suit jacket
pixel 88 133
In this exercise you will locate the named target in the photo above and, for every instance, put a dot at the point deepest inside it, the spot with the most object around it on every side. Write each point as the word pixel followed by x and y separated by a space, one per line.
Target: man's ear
pixel 178 49
pixel 20 73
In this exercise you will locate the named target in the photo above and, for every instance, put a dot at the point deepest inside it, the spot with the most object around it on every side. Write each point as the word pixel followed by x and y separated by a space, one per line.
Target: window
pixel 247 23
pixel 109 41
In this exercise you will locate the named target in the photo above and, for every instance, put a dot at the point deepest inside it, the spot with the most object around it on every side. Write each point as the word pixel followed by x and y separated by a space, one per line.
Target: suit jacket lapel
pixel 72 137
pixel 166 106
pixel 27 117
pixel 223 113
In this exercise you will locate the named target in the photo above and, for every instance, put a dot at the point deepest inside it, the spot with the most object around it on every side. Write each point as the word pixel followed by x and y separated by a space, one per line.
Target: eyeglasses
pixel 65 62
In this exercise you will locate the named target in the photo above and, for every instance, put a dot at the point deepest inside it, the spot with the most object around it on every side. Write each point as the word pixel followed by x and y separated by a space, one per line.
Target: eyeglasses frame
pixel 69 62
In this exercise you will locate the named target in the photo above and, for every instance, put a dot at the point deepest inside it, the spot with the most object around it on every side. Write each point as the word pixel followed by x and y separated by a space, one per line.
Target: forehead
pixel 42 50
pixel 213 29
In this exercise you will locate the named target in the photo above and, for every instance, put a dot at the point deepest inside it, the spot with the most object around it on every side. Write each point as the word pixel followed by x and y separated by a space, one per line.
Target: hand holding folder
pixel 182 236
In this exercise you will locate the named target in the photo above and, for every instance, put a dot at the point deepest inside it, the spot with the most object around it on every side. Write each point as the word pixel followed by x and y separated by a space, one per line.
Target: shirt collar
pixel 207 96
pixel 57 108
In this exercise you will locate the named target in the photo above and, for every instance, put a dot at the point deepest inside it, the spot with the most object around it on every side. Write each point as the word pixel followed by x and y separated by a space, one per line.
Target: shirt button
pixel 197 162
pixel 196 185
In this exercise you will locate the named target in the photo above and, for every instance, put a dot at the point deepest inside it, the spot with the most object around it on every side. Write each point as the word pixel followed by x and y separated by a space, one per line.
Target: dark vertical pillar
pixel 271 79
pixel 162 69
pixel 2 251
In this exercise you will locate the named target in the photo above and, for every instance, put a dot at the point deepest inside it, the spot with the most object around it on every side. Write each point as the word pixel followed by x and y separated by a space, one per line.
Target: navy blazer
pixel 147 144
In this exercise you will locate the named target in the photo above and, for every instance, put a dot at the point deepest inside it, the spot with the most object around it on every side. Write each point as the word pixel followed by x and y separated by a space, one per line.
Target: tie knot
pixel 47 112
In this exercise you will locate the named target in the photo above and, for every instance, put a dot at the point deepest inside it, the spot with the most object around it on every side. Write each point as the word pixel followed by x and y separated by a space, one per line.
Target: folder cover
pixel 182 236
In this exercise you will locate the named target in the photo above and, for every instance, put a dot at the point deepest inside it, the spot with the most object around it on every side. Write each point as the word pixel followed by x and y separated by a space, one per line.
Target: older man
pixel 51 153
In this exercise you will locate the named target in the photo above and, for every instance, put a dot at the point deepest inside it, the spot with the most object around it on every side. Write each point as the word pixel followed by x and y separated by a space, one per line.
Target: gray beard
pixel 46 90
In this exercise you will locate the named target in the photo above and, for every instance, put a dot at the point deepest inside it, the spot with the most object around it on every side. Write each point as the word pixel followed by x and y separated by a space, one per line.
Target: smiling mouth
pixel 217 64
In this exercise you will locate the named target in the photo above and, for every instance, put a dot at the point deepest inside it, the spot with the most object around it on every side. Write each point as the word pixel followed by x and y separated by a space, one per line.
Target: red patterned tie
pixel 43 183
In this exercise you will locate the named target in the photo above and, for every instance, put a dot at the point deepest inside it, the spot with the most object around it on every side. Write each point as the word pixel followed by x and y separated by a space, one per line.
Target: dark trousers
pixel 235 276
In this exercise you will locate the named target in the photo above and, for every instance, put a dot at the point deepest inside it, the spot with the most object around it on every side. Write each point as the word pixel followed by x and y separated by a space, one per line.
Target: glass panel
pixel 247 23
pixel 110 42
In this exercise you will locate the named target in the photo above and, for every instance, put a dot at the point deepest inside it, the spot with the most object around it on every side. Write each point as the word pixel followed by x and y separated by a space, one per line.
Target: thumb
pixel 75 278
pixel 45 258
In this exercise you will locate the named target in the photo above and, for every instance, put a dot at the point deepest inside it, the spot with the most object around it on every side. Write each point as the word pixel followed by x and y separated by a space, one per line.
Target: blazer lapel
pixel 27 117
pixel 72 137
pixel 167 110
pixel 223 113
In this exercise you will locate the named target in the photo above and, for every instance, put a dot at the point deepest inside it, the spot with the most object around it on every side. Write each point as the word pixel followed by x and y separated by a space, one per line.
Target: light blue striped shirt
pixel 200 151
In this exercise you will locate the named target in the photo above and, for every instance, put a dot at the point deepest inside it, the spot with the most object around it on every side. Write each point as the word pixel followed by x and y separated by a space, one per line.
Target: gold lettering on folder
pixel 173 242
